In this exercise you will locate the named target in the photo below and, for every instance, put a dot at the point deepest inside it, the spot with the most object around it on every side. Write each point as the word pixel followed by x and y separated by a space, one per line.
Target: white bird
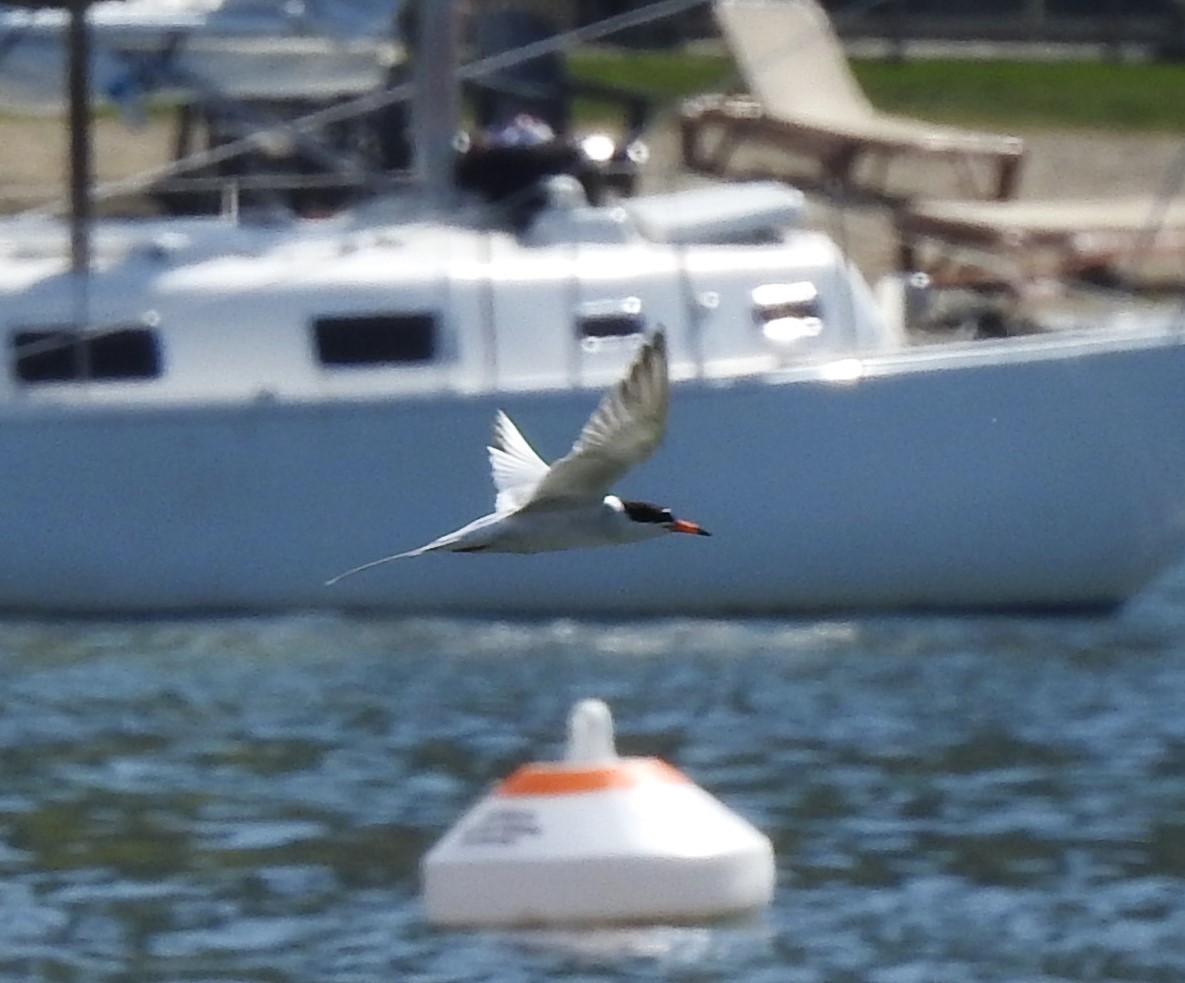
pixel 541 509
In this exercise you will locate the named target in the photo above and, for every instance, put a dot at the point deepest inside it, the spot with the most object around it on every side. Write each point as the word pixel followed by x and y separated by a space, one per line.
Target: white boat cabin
pixel 365 304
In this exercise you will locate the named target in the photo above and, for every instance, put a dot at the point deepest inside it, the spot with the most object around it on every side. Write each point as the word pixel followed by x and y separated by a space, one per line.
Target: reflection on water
pixel 951 800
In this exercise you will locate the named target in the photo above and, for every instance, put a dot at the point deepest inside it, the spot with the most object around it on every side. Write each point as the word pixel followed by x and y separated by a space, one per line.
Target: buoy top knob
pixel 590 734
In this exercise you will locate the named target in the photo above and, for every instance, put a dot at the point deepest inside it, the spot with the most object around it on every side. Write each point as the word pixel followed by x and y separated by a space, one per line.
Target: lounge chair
pixel 1017 241
pixel 804 99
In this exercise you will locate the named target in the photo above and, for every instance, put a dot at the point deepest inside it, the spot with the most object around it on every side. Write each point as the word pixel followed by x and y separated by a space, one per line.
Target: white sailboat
pixel 218 414
pixel 249 49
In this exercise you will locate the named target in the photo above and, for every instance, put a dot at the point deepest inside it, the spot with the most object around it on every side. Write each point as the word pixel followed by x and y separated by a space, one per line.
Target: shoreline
pixel 1058 164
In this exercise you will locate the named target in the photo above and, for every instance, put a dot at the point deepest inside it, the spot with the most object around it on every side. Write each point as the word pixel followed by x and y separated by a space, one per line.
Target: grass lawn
pixel 1072 94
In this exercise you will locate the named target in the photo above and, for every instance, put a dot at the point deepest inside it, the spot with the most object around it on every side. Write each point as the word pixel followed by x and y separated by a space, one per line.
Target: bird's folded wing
pixel 516 468
pixel 624 430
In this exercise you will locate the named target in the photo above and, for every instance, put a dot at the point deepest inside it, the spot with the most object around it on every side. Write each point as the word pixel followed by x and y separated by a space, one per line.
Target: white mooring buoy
pixel 596 839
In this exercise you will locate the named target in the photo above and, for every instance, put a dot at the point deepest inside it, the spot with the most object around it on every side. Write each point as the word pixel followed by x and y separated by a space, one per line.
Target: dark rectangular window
pixel 611 325
pixel 71 355
pixel 376 339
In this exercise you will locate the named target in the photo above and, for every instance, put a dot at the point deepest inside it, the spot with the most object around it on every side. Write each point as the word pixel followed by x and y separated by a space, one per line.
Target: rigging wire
pixel 373 101
pixel 294 129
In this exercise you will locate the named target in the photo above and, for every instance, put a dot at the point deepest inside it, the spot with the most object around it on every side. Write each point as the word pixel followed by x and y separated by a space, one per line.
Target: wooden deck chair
pixel 1018 241
pixel 804 99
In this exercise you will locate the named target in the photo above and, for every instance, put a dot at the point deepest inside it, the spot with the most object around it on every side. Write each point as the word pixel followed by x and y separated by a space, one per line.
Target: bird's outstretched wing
pixel 622 432
pixel 516 468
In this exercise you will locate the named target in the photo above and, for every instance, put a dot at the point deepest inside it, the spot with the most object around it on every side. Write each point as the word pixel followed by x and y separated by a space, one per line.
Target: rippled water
pixel 951 800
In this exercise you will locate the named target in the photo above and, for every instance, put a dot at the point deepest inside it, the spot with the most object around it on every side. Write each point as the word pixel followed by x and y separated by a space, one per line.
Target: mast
pixel 78 91
pixel 78 85
pixel 435 38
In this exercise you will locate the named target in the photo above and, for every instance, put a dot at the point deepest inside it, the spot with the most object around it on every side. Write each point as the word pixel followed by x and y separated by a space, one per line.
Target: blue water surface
pixel 950 799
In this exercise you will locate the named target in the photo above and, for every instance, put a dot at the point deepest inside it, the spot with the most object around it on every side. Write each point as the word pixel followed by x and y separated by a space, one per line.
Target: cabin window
pixel 375 339
pixel 621 318
pixel 72 355
pixel 788 312
pixel 611 326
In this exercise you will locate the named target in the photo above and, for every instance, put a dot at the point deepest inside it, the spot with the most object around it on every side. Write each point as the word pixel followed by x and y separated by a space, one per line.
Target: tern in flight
pixel 541 508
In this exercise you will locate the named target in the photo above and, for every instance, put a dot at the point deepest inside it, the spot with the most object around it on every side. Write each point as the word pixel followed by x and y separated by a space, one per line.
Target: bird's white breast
pixel 537 531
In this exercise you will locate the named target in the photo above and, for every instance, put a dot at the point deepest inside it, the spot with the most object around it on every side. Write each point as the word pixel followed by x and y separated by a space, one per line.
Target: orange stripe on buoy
pixel 556 779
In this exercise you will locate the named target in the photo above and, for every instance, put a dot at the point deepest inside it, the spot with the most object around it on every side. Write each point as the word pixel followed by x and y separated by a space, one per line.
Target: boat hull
pixel 991 477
